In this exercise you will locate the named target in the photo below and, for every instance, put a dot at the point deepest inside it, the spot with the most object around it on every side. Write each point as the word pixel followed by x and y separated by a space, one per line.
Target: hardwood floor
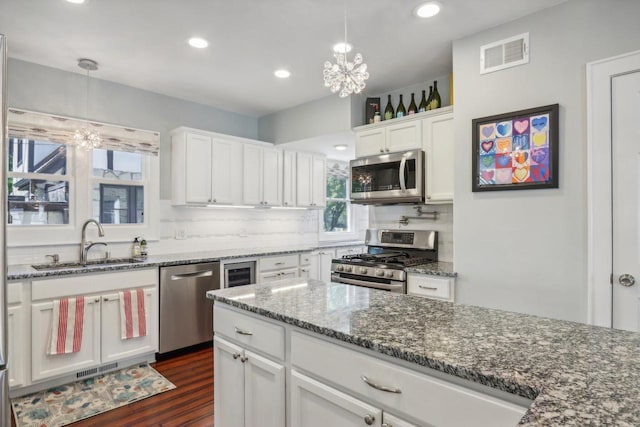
pixel 189 404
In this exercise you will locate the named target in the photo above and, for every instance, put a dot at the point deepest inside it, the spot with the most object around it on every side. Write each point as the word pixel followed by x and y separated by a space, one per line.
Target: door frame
pixel 599 181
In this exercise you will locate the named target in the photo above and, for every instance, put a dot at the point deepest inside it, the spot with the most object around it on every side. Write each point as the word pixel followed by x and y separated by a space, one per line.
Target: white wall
pixel 526 250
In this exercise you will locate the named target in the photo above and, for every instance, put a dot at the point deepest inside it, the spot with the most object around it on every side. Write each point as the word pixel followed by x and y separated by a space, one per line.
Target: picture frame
pixel 516 150
pixel 370 109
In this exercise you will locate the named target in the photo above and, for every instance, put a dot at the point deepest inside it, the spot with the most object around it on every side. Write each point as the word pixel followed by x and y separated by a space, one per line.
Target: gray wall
pixel 526 250
pixel 39 88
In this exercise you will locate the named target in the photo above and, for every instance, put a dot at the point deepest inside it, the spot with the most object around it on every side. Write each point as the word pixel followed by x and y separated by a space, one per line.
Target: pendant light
pixel 85 137
pixel 345 77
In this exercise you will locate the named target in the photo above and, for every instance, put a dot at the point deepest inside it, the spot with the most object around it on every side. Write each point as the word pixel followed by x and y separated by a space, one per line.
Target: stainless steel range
pixel 389 252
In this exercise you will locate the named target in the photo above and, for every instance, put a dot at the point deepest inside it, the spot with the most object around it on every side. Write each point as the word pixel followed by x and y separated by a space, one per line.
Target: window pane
pixel 336 187
pixel 335 216
pixel 117 165
pixel 38 202
pixel 36 156
pixel 118 204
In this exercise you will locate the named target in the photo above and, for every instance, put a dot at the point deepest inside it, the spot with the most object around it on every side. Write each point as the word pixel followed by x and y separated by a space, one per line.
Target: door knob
pixel 369 419
pixel 627 280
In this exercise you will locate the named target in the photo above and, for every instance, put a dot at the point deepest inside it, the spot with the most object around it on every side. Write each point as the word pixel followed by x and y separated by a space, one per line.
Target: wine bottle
pixel 435 100
pixel 400 111
pixel 388 111
pixel 430 98
pixel 376 115
pixel 423 103
pixel 412 106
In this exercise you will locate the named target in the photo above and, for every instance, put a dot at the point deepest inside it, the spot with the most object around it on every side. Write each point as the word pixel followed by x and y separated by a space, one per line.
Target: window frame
pixel 351 233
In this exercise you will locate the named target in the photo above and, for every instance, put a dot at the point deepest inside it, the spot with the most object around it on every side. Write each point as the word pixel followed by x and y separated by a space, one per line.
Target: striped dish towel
pixel 133 320
pixel 66 326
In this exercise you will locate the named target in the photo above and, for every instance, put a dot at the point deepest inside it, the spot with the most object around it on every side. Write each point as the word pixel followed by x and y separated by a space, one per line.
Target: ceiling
pixel 143 43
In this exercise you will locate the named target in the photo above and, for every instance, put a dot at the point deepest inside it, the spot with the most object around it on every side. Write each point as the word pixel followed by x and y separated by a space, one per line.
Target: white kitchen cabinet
pixel 17 330
pixel 277 267
pixel 314 404
pixel 45 366
pixel 206 168
pixel 229 390
pixel 430 286
pixel 271 276
pixel 113 347
pixel 389 137
pixel 262 176
pixel 320 264
pixel 311 180
pixel 438 144
pixel 289 178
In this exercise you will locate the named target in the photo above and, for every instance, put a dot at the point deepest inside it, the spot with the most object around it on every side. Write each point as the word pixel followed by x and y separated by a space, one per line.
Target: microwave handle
pixel 403 166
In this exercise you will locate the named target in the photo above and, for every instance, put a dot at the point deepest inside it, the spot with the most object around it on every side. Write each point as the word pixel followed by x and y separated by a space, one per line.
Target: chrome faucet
pixel 84 248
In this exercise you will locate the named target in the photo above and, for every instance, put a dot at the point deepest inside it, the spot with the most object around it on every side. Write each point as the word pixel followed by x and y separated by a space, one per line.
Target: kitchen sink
pixel 97 262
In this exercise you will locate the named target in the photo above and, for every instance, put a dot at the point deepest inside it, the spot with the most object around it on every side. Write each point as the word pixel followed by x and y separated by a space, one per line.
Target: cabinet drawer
pixel 422 397
pixel 262 336
pixel 428 286
pixel 278 262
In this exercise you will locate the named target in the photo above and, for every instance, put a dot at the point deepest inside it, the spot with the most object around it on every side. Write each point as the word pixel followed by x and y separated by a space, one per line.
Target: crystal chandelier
pixel 345 77
pixel 87 138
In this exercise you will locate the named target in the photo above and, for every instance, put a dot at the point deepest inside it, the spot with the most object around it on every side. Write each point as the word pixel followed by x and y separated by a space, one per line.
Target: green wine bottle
pixel 400 111
pixel 430 98
pixel 388 111
pixel 413 108
pixel 423 103
pixel 435 100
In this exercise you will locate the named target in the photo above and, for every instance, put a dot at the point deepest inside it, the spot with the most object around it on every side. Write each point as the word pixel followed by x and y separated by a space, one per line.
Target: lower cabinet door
pixel 264 392
pixel 113 346
pixel 389 420
pixel 44 365
pixel 16 332
pixel 314 404
pixel 228 377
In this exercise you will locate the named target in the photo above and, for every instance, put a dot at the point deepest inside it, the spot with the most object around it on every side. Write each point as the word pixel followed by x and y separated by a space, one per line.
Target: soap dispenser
pixel 135 250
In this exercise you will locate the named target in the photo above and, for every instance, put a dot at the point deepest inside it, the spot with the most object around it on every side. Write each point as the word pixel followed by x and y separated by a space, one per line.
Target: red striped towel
pixel 133 319
pixel 66 326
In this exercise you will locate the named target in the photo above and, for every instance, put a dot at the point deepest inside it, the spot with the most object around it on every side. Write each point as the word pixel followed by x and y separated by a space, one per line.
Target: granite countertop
pixel 436 268
pixel 17 272
pixel 576 374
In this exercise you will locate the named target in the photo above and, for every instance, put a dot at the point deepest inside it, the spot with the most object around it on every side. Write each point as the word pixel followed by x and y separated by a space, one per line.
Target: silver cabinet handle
pixel 381 150
pixel 244 359
pixel 97 300
pixel 279 263
pixel 236 355
pixel 192 275
pixel 380 387
pixel 369 419
pixel 627 280
pixel 430 288
pixel 243 331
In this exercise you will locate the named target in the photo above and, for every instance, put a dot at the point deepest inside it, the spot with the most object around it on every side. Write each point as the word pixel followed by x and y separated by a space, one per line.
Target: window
pixel 38 182
pixel 337 213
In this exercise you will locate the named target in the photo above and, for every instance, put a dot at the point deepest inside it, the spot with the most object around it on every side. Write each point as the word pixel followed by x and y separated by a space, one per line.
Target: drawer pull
pixel 380 387
pixel 369 419
pixel 244 359
pixel 279 263
pixel 429 288
pixel 243 331
pixel 236 355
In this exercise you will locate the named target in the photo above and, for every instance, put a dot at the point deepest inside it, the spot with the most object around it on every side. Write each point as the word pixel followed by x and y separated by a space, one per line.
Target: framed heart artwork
pixel 516 151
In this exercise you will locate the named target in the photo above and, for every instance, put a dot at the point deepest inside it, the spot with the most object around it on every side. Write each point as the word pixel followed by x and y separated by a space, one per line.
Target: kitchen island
pixel 575 374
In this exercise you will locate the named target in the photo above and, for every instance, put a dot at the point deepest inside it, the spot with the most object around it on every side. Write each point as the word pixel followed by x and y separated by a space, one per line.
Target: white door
pixel 252 175
pixel 438 145
pixel 304 175
pixel 224 159
pixel 319 181
pixel 16 333
pixel 272 177
pixel 404 136
pixel 370 142
pixel 198 173
pixel 289 178
pixel 264 392
pixel 324 265
pixel 625 126
pixel 314 404
pixel 228 376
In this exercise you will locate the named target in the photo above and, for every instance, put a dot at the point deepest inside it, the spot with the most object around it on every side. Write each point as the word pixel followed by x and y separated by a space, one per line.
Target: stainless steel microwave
pixel 388 178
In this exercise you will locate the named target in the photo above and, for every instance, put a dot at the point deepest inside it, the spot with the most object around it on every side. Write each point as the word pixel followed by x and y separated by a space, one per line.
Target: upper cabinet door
pixel 370 142
pixel 226 172
pixel 272 177
pixel 252 175
pixel 404 136
pixel 438 146
pixel 304 177
pixel 198 169
pixel 289 179
pixel 319 184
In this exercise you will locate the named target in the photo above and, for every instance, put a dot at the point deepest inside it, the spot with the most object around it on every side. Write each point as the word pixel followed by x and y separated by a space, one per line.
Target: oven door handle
pixel 403 167
pixel 393 287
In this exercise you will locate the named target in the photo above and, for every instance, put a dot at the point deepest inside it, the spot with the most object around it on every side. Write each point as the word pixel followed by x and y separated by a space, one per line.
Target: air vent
pixel 505 53
pixel 88 372
pixel 108 367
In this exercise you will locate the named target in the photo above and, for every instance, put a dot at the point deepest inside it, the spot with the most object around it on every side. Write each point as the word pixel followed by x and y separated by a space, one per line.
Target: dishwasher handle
pixel 195 274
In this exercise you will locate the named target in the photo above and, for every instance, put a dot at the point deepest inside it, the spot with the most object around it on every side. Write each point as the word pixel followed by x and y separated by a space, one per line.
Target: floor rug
pixel 69 403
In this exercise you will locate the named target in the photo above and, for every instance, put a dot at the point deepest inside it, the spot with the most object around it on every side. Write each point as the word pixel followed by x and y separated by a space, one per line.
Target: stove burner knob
pixel 339 268
pixel 348 269
pixel 363 270
pixel 389 274
pixel 380 273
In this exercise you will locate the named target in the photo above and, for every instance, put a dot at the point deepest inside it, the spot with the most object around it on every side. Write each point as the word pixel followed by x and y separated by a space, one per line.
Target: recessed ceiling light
pixel 282 73
pixel 76 1
pixel 198 42
pixel 342 47
pixel 341 147
pixel 428 10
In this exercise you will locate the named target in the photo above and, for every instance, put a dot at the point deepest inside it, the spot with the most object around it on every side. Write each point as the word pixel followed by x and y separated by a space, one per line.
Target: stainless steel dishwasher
pixel 186 315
